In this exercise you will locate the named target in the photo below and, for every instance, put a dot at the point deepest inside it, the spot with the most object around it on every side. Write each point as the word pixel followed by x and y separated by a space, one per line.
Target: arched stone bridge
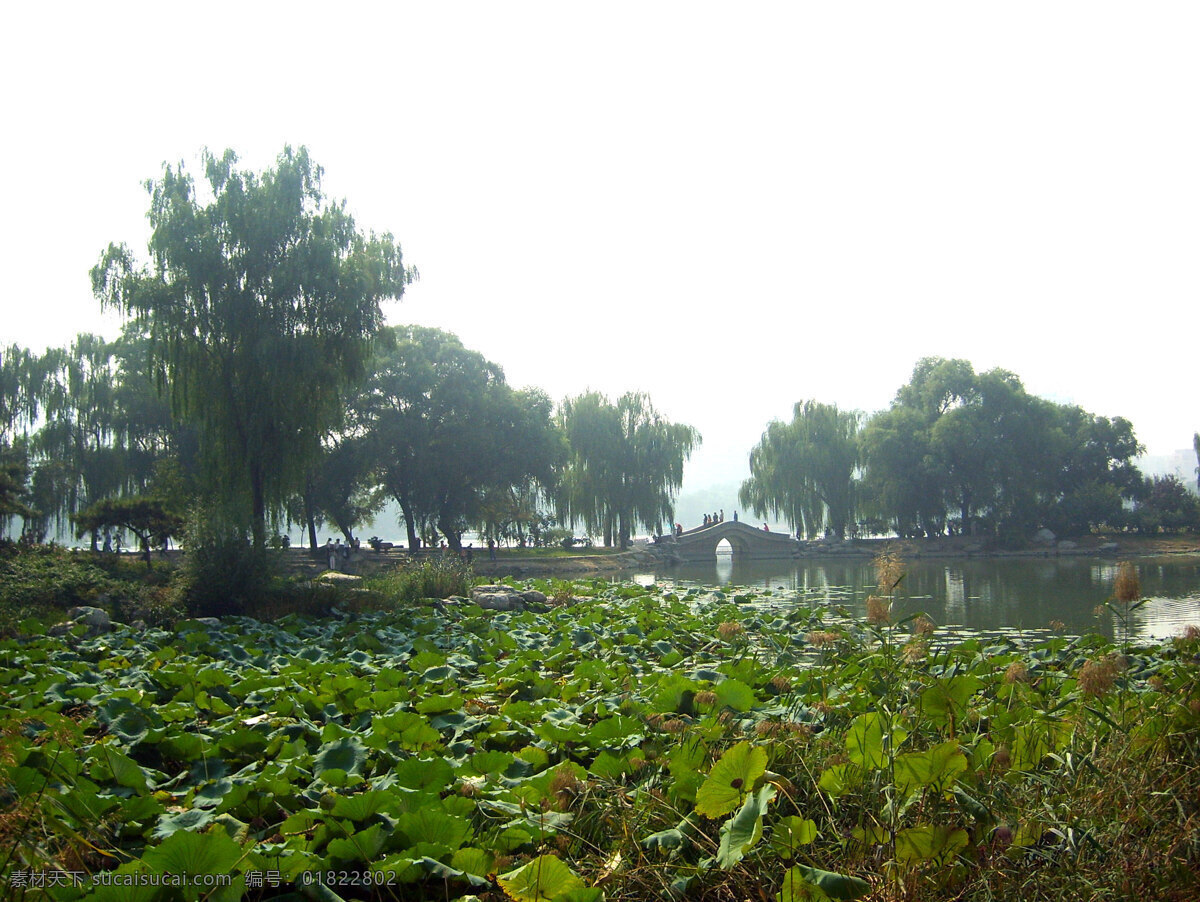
pixel 748 543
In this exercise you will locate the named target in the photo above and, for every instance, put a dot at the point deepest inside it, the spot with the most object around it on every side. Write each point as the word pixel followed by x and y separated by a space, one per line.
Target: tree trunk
pixel 258 523
pixel 311 519
pixel 453 538
pixel 414 541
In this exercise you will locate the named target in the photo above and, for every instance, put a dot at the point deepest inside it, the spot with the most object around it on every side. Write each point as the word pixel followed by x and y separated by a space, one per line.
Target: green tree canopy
pixel 150 519
pixel 19 400
pixel 976 451
pixel 14 478
pixel 260 303
pixel 447 431
pixel 805 471
pixel 625 464
pixel 341 488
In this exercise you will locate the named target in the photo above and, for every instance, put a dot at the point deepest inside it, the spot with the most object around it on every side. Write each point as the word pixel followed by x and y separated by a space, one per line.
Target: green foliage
pixel 1166 505
pixel 804 471
pixel 976 453
pixel 14 479
pixel 624 467
pixel 545 879
pixel 731 779
pixel 43 582
pixel 147 518
pixel 577 752
pixel 261 304
pixel 223 571
pixel 340 488
pixel 452 439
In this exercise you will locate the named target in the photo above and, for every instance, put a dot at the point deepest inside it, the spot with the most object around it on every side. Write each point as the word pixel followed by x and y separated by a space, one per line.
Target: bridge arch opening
pixel 724 549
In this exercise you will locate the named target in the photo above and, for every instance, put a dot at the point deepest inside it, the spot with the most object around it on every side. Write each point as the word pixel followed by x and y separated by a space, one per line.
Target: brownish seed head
pixel 1017 672
pixel 889 568
pixel 730 629
pixel 822 638
pixel 1096 678
pixel 1127 587
pixel 878 611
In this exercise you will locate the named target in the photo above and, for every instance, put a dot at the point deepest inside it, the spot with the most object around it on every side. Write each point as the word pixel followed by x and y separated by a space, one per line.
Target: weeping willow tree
pixel 18 410
pixel 804 471
pixel 261 303
pixel 625 465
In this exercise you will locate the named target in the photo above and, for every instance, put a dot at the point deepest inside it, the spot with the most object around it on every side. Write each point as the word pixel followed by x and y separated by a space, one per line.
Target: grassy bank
pixel 626 745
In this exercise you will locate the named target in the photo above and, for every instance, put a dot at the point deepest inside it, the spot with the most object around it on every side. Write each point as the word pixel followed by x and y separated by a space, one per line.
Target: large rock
pixel 96 620
pixel 1044 537
pixel 505 598
pixel 334 576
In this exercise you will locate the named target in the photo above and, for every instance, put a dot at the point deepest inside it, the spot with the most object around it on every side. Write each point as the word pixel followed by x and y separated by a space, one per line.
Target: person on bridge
pixel 766 528
pixel 722 520
pixel 678 529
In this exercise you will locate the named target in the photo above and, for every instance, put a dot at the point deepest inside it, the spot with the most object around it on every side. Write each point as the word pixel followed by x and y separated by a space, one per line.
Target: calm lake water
pixel 998 594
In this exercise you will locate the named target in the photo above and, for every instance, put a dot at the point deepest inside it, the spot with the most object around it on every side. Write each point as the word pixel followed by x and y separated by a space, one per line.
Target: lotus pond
pixel 623 743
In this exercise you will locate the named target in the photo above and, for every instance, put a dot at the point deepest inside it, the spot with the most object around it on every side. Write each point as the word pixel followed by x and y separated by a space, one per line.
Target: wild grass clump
pixel 435 577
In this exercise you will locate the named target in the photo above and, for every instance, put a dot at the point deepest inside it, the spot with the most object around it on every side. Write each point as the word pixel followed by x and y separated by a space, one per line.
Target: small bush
pixel 222 572
pixel 158 606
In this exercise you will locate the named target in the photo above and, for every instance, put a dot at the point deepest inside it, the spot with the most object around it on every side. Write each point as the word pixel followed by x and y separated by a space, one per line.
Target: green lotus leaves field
pixel 634 744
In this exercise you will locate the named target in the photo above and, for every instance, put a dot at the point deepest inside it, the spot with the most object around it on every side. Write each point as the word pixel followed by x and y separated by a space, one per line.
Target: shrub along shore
pixel 613 742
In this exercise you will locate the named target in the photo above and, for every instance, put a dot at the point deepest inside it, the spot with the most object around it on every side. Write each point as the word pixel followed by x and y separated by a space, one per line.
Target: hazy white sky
pixel 732 207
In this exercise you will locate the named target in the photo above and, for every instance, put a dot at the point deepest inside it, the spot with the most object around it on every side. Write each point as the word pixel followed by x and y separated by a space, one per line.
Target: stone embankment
pixel 567 567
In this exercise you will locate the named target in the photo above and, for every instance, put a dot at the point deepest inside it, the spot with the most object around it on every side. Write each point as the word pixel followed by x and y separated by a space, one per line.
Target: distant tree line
pixel 960 453
pixel 255 385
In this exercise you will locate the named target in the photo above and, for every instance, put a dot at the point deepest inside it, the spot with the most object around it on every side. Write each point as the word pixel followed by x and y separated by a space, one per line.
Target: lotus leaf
pixel 545 879
pixel 730 779
pixel 742 832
